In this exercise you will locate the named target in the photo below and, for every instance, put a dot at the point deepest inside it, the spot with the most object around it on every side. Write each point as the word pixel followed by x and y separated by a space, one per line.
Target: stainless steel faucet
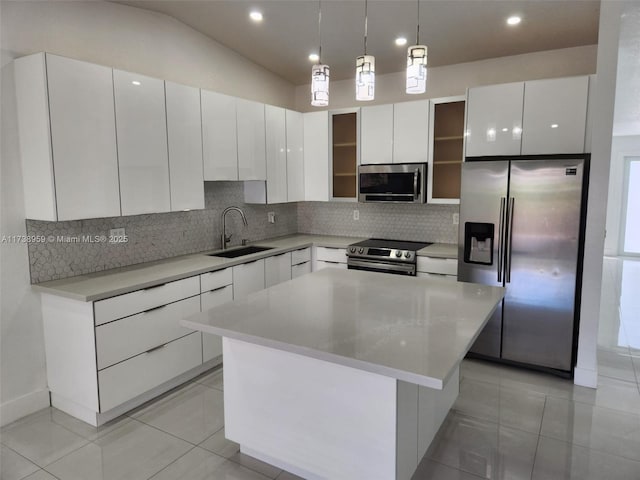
pixel 223 220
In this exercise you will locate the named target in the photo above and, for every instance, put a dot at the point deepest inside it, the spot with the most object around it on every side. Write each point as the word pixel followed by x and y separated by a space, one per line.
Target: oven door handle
pixel 366 264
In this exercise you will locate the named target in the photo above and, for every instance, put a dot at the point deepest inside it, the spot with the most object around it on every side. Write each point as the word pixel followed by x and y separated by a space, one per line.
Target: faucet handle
pixel 227 238
pixel 244 241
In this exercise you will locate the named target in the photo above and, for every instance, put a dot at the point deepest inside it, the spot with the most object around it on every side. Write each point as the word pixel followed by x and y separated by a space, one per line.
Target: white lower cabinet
pixel 325 257
pixel 277 269
pixel 437 267
pixel 126 380
pixel 217 288
pixel 300 262
pixel 300 269
pixel 321 264
pixel 248 278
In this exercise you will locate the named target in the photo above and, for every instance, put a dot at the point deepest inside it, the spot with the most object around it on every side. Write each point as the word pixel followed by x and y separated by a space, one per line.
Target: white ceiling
pixel 455 30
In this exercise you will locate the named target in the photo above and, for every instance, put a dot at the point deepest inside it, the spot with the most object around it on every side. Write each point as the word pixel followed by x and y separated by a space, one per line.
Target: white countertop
pixel 412 329
pixel 109 283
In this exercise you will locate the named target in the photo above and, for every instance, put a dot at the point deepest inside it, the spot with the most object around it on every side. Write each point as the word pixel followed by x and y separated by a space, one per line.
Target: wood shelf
pixel 448 139
pixel 342 145
pixel 344 174
pixel 447 162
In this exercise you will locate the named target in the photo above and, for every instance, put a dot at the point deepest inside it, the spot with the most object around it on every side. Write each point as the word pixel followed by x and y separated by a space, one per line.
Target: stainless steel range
pixel 386 256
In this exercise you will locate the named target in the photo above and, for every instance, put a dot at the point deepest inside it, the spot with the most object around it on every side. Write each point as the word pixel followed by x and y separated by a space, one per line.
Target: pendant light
pixel 365 69
pixel 320 73
pixel 417 64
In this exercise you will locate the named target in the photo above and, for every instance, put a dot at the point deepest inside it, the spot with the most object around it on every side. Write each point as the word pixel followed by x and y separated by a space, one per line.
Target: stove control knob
pixel 407 254
pixel 398 253
pixel 352 249
pixel 361 250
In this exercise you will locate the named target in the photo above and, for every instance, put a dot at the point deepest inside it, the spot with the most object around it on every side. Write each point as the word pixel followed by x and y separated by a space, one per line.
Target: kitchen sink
pixel 239 252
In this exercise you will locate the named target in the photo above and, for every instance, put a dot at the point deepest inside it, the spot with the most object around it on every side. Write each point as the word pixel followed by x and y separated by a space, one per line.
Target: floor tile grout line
pixel 597 450
pixel 170 463
pixel 163 431
pixel 455 468
pixel 535 454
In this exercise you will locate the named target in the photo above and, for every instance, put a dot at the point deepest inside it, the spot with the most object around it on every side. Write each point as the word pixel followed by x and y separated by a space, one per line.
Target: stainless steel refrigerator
pixel 521 225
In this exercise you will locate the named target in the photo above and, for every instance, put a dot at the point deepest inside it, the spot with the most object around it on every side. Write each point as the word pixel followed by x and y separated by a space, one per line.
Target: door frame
pixel 627 159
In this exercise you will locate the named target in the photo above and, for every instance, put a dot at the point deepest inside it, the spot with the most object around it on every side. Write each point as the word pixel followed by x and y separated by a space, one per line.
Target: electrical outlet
pixel 356 214
pixel 271 217
pixel 456 218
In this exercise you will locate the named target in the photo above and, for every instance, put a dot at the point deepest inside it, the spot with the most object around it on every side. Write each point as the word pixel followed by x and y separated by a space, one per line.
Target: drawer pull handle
pixel 154 287
pixel 154 309
pixel 329 261
pixel 156 348
pixel 219 288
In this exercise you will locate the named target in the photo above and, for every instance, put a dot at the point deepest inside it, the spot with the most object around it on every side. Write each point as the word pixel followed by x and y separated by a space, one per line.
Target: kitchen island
pixel 345 374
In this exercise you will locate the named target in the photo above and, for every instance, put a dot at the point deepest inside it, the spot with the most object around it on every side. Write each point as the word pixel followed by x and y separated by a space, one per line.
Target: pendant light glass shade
pixel 365 77
pixel 320 85
pixel 417 69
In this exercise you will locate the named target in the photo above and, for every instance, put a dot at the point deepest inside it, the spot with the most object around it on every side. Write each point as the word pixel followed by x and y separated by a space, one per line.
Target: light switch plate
pixel 271 217
pixel 356 214
pixel 456 218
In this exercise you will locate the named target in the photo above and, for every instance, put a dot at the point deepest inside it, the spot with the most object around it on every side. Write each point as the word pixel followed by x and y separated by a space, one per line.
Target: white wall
pixel 455 79
pixel 23 387
pixel 137 40
pixel 621 147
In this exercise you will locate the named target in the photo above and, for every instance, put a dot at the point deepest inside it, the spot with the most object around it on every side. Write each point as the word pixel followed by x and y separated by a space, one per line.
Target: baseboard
pixel 21 407
pixel 585 378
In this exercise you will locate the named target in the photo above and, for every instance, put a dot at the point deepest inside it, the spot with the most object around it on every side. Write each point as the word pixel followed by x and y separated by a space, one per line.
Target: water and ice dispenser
pixel 478 243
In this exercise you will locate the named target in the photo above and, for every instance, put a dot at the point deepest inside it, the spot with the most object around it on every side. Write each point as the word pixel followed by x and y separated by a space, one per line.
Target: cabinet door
pixel 316 156
pixel 494 120
pixel 219 136
pixel 276 143
pixel 83 139
pixel 251 141
pixel 300 269
pixel 141 124
pixel 212 344
pixel 376 130
pixel 410 132
pixel 277 269
pixel 344 154
pixel 555 115
pixel 248 278
pixel 184 133
pixel 295 157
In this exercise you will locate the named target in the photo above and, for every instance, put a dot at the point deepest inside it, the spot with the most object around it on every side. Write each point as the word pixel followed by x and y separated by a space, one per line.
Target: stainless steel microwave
pixel 392 183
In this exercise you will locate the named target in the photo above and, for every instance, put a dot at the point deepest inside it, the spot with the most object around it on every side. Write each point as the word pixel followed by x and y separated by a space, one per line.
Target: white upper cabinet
pixel 276 144
pixel 141 124
pixel 555 115
pixel 184 132
pixel 494 120
pixel 251 141
pixel 410 132
pixel 219 136
pixel 295 156
pixel 316 156
pixel 67 138
pixel 376 134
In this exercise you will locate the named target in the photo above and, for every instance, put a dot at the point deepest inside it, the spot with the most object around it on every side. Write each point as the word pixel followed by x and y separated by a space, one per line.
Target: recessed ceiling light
pixel 256 16
pixel 135 82
pixel 554 125
pixel 400 41
pixel 514 20
pixel 314 57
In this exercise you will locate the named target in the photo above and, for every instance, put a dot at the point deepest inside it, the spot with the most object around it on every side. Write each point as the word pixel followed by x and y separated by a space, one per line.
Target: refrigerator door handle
pixel 509 229
pixel 503 202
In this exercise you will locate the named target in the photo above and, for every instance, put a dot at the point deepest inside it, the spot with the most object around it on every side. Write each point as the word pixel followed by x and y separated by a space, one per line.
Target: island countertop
pixel 412 329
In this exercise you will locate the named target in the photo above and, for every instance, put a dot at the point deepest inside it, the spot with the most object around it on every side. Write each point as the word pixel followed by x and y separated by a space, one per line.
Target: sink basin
pixel 239 252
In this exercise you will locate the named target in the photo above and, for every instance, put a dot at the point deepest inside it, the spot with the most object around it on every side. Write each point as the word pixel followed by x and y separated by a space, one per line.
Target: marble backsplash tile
pixel 429 223
pixel 152 237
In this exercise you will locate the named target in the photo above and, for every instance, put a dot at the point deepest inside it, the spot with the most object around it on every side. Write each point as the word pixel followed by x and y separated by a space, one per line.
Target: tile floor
pixel 506 424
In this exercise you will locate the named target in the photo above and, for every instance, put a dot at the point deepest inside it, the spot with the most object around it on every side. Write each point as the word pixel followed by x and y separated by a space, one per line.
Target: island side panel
pixel 316 419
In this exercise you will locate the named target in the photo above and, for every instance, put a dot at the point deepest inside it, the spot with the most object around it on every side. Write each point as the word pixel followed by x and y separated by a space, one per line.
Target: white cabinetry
pixel 184 137
pixel 376 134
pixel 555 115
pixel 276 145
pixel 216 288
pixel 494 120
pixel 445 268
pixel 410 130
pixel 66 126
pixel 300 262
pixel 277 269
pixel 219 136
pixel 251 140
pixel 248 278
pixel 141 125
pixel 295 156
pixel 316 156
pixel 325 257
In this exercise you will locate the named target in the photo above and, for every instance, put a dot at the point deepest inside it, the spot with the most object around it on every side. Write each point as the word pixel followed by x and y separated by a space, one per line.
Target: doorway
pixel 630 225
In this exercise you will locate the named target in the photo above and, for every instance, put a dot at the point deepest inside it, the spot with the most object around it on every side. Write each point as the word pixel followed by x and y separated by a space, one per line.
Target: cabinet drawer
pixel 125 338
pixel 216 297
pixel 445 266
pixel 300 256
pixel 328 254
pixel 322 264
pixel 450 278
pixel 213 280
pixel 141 300
pixel 300 269
pixel 211 346
pixel 133 377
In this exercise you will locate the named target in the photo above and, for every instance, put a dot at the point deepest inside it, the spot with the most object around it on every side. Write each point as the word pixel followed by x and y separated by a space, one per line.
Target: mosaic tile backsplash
pixel 154 236
pixel 164 235
pixel 429 223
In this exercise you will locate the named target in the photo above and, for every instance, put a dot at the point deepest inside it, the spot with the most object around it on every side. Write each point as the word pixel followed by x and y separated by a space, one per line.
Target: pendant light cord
pixel 365 26
pixel 319 32
pixel 418 32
